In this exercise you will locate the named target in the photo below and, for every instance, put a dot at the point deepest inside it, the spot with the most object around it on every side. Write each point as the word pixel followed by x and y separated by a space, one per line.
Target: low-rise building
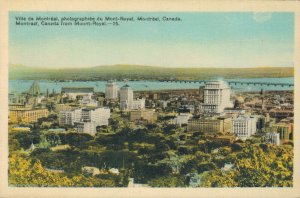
pixel 14 98
pixel 88 101
pixel 19 107
pixel 285 130
pixel 143 114
pixel 163 104
pixel 230 110
pixel 210 124
pixel 138 104
pixel 62 107
pixel 182 118
pixel 273 138
pixel 281 113
pixel 73 92
pixel 27 115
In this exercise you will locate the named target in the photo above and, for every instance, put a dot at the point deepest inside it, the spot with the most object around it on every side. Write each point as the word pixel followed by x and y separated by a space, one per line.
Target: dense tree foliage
pixel 24 139
pixel 159 155
pixel 257 166
pixel 175 181
pixel 25 172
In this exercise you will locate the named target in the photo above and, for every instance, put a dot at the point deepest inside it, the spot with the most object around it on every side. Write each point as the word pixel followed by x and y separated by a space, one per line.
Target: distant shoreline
pixel 146 73
pixel 242 84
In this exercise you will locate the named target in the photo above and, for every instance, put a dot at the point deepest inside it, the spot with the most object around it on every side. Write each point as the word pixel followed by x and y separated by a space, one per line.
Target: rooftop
pixel 77 89
pixel 126 86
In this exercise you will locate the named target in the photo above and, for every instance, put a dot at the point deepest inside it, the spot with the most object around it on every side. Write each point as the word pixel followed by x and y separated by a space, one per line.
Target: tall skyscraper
pixel 111 90
pixel 216 97
pixel 126 97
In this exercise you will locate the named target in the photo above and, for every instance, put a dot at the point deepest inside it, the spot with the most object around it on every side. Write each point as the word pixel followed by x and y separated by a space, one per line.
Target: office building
pixel 62 107
pixel 273 138
pixel 88 101
pixel 85 119
pixel 138 104
pixel 111 90
pixel 210 125
pixel 27 115
pixel 126 98
pixel 216 96
pixel 85 127
pixel 244 126
pixel 182 118
pixel 68 117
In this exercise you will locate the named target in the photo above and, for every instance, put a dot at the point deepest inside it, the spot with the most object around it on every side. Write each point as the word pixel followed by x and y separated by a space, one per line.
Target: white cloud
pixel 261 17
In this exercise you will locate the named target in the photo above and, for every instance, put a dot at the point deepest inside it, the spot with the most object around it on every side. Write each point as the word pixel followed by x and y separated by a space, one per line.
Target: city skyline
pixel 201 40
pixel 205 137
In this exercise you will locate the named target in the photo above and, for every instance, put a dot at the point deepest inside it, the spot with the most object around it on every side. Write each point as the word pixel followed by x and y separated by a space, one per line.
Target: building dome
pixel 239 102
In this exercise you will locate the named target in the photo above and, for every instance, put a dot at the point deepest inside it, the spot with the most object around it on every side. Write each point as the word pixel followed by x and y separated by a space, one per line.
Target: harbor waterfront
pixel 19 86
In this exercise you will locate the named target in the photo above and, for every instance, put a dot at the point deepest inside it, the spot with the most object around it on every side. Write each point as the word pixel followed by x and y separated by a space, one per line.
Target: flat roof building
pixel 143 114
pixel 273 138
pixel 85 119
pixel 210 125
pixel 126 98
pixel 244 126
pixel 111 90
pixel 27 115
pixel 73 92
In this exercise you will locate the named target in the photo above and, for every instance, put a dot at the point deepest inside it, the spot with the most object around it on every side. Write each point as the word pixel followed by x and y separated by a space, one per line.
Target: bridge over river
pixel 236 83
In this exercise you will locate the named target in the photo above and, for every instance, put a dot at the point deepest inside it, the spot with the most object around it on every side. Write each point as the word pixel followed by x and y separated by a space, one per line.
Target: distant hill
pixel 139 72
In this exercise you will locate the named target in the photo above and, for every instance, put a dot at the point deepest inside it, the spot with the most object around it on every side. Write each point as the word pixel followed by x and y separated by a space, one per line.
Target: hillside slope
pixel 135 72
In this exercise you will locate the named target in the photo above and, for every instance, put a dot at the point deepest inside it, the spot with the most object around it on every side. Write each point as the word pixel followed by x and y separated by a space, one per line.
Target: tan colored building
pixel 210 125
pixel 27 115
pixel 62 107
pixel 143 114
pixel 19 107
pixel 285 130
pixel 281 113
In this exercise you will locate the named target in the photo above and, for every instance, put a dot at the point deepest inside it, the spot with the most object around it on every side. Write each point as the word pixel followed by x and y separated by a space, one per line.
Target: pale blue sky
pixel 200 40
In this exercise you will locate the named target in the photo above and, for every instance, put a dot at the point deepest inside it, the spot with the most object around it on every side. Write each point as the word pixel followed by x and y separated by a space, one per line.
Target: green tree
pixel 77 139
pixel 170 181
pixel 24 172
pixel 257 165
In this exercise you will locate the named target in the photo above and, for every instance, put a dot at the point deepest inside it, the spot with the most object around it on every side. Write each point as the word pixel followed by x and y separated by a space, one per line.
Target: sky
pixel 201 39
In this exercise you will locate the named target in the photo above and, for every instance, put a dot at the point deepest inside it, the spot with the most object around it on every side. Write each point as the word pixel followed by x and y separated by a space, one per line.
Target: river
pixel 19 86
